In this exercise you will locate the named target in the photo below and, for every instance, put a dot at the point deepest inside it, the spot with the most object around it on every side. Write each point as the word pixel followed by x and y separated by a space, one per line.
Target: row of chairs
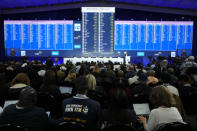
pixel 73 126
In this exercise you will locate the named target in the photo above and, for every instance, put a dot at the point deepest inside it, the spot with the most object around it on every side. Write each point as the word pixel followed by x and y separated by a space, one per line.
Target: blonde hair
pixel 91 82
pixel 70 76
pixel 96 69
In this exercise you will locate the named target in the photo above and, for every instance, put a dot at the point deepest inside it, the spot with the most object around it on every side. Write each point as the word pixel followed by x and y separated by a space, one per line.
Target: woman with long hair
pixel 165 110
pixel 119 110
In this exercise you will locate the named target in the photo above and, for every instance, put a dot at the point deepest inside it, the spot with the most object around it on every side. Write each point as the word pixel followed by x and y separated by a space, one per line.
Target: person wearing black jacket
pixel 4 87
pixel 49 62
pixel 25 113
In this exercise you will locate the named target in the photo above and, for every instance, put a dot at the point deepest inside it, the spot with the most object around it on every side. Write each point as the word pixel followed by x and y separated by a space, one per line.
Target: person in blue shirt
pixel 80 108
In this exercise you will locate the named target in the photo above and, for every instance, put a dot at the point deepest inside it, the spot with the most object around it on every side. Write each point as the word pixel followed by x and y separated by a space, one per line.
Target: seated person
pixel 185 90
pixel 80 108
pixel 119 111
pixel 25 113
pixel 151 78
pixel 165 112
pixel 71 76
pixel 4 87
pixel 49 87
pixel 19 82
pixel 1 110
pixel 95 92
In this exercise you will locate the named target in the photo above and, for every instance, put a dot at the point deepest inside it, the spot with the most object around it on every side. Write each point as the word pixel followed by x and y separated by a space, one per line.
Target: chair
pixel 175 126
pixel 10 127
pixel 71 126
pixel 192 107
pixel 49 103
pixel 120 127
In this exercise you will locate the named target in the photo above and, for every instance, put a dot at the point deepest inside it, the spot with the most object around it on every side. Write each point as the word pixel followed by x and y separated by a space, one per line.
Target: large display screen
pixel 98 34
pixel 98 30
pixel 38 35
pixel 153 35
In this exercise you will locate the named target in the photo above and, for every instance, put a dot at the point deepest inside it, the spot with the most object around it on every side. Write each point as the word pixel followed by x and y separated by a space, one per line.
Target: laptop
pixel 9 102
pixel 141 109
pixel 65 90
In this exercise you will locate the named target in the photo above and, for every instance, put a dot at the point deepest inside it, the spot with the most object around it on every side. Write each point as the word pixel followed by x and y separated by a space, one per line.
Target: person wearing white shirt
pixel 164 112
pixel 1 110
pixel 163 115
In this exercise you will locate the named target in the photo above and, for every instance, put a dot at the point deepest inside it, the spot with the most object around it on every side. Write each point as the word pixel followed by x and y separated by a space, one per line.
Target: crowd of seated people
pixel 102 94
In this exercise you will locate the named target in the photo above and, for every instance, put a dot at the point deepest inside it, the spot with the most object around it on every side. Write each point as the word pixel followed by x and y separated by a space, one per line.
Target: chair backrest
pixel 46 101
pixel 175 126
pixel 192 107
pixel 71 126
pixel 10 127
pixel 49 103
pixel 119 128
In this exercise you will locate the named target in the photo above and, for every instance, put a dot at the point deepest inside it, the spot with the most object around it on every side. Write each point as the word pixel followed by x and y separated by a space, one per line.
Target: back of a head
pixel 170 70
pixel 91 81
pixel 28 97
pixel 103 73
pixel 191 58
pixel 151 73
pixel 21 78
pixel 131 67
pixel 71 76
pixel 49 77
pixel 109 67
pixel 141 77
pixel 161 96
pixel 83 70
pixel 120 73
pixel 81 84
pixel 164 63
pixel 60 74
pixel 96 69
pixel 139 65
pixel 183 78
pixel 165 76
pixel 119 99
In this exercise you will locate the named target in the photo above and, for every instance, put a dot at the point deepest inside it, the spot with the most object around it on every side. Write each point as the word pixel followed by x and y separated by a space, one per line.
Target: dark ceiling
pixel 183 4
